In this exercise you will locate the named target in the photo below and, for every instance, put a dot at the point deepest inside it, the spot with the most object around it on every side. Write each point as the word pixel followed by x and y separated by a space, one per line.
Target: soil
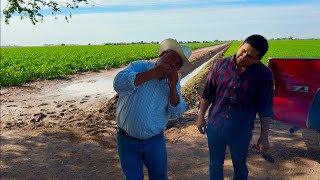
pixel 49 134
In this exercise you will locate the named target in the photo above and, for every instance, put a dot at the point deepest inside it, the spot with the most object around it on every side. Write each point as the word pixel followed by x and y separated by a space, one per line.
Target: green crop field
pixel 285 48
pixel 22 64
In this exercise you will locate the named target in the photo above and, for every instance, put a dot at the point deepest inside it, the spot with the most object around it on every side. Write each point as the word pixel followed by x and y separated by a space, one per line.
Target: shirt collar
pixel 233 60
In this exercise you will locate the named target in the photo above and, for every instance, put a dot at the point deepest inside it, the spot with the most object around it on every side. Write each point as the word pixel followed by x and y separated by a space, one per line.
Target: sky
pixel 115 21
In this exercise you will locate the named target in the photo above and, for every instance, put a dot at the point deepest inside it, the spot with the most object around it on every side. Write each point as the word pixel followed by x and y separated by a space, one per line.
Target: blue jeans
pixel 218 140
pixel 135 153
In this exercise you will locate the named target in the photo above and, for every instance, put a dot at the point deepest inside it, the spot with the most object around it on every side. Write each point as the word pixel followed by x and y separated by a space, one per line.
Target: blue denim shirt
pixel 143 111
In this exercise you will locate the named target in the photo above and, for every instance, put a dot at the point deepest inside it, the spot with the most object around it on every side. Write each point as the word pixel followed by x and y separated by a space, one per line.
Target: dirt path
pixel 61 153
pixel 49 134
pixel 297 156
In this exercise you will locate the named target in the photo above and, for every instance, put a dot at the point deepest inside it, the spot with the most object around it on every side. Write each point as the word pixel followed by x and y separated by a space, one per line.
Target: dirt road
pixel 49 134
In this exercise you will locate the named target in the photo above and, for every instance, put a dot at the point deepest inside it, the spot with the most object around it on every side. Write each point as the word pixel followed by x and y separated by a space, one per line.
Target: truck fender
pixel 313 120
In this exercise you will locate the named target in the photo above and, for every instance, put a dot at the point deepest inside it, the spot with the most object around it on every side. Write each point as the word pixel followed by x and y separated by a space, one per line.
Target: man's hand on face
pixel 163 70
pixel 173 79
pixel 170 63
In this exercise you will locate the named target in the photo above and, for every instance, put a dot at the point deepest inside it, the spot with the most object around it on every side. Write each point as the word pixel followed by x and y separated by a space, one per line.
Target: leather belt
pixel 124 133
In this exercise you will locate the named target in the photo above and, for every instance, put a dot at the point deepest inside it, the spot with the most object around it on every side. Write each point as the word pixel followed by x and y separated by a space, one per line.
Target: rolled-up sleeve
pixel 178 110
pixel 265 102
pixel 123 83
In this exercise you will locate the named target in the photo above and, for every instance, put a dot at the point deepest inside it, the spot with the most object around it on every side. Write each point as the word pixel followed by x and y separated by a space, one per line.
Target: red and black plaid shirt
pixel 236 99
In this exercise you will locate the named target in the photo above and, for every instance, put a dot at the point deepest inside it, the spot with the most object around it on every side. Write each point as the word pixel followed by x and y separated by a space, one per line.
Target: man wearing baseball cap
pixel 149 94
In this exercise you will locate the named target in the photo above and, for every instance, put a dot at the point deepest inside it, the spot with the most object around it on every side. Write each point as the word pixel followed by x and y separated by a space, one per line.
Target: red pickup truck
pixel 296 91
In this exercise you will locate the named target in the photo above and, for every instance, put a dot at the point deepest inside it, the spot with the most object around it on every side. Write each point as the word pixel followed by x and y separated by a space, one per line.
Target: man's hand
pixel 263 145
pixel 263 141
pixel 160 71
pixel 202 125
pixel 173 79
pixel 163 70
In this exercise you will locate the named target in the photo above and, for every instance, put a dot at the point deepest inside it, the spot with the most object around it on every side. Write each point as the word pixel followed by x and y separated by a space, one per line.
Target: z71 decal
pixel 300 88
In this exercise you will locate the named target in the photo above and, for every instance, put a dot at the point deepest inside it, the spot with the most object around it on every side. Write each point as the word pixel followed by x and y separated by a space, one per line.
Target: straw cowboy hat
pixel 183 51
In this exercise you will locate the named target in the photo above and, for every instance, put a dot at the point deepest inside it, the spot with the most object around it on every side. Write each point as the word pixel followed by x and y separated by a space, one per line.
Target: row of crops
pixel 286 48
pixel 22 64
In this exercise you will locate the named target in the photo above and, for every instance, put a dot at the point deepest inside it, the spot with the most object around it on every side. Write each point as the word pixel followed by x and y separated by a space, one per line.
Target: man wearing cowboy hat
pixel 149 93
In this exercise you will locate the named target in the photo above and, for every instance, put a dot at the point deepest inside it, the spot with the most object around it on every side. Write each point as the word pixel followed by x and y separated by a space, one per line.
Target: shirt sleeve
pixel 209 91
pixel 123 83
pixel 265 102
pixel 178 110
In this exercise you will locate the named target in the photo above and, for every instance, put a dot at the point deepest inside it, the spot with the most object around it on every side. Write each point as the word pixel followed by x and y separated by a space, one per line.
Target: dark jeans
pixel 218 140
pixel 135 153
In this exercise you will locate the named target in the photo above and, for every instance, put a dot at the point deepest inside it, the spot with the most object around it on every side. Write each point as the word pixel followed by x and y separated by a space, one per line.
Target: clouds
pixel 154 2
pixel 193 23
pixel 141 3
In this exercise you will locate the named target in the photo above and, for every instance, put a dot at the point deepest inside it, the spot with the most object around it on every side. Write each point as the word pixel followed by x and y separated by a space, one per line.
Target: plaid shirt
pixel 237 98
